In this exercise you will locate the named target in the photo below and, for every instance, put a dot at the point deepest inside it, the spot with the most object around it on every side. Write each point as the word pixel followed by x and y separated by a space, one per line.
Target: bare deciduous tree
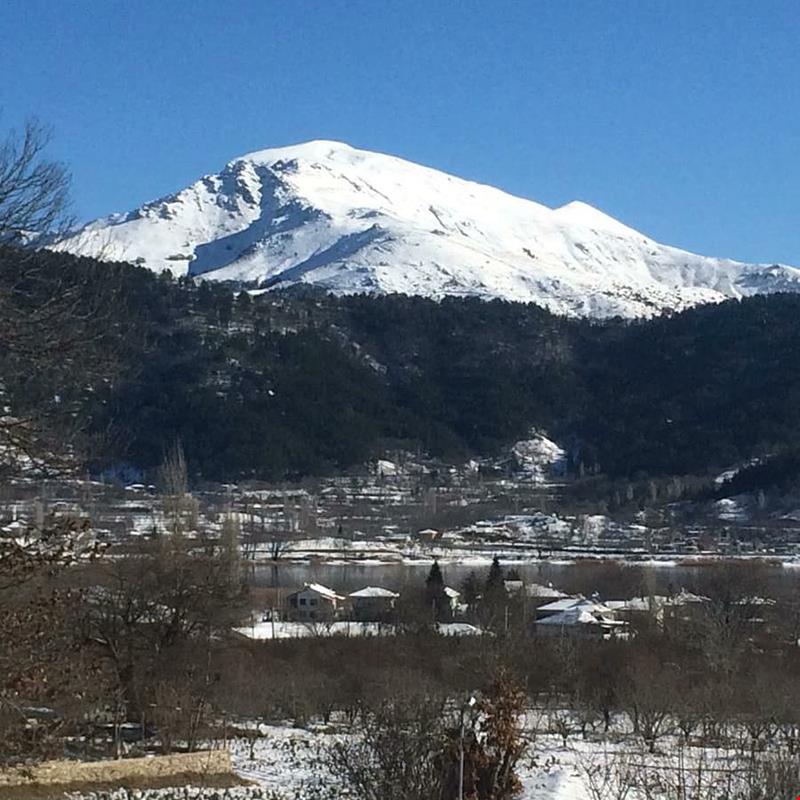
pixel 34 192
pixel 181 509
pixel 608 776
pixel 154 617
pixel 42 664
pixel 426 747
pixel 398 753
pixel 48 314
pixel 649 694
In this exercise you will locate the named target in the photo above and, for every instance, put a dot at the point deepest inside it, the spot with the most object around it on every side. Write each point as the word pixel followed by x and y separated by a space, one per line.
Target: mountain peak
pixel 313 150
pixel 349 220
pixel 580 213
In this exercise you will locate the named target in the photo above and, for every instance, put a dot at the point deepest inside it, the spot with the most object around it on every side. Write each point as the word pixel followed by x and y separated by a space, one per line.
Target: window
pixel 312 601
pixel 302 601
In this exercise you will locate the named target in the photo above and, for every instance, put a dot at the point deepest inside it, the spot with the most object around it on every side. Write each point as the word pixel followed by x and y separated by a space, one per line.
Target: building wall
pixel 372 608
pixel 307 605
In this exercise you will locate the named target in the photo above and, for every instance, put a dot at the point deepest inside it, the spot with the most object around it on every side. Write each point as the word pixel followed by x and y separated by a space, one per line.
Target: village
pixel 526 608
pixel 274 622
pixel 413 509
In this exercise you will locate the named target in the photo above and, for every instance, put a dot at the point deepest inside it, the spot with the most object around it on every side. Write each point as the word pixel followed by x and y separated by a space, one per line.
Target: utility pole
pixel 461 759
pixel 469 704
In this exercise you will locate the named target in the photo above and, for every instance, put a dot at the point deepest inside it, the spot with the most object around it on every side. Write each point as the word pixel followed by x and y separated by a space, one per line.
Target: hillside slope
pixel 296 383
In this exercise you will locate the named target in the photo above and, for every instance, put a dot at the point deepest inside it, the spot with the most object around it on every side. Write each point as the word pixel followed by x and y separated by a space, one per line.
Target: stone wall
pixel 209 762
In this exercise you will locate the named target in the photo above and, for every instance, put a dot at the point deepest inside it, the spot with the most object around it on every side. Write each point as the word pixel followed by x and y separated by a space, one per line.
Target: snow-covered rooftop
pixel 637 603
pixel 684 598
pixel 583 615
pixel 576 603
pixel 374 591
pixel 539 590
pixel 318 588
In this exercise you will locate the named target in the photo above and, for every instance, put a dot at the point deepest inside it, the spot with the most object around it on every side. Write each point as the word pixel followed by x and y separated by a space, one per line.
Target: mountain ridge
pixel 353 221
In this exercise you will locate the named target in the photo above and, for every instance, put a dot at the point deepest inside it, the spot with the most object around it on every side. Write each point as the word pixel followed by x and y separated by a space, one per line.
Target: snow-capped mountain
pixel 350 220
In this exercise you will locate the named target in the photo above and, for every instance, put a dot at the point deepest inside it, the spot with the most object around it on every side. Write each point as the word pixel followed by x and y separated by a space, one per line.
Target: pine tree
pixel 435 580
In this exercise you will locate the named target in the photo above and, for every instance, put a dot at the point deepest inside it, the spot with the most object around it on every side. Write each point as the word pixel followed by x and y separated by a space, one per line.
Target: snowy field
pixel 290 762
pixel 283 762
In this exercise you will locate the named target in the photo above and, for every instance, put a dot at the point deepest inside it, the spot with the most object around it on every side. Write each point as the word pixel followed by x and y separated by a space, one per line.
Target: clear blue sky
pixel 681 117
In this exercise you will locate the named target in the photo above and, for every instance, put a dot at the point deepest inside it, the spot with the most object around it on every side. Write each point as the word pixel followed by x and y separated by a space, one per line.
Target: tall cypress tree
pixel 434 591
pixel 494 594
pixel 494 580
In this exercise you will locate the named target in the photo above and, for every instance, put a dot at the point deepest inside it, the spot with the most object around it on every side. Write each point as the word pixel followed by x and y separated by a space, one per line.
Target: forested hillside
pixel 287 384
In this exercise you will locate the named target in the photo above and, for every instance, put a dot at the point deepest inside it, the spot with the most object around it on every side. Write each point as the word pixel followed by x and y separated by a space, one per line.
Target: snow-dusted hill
pixel 349 220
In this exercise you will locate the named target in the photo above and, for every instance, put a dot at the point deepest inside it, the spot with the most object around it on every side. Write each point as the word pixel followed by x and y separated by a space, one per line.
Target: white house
pixel 314 602
pixel 685 606
pixel 513 588
pixel 373 603
pixel 639 608
pixel 584 620
pixel 570 603
pixel 542 593
pixel 559 605
pixel 428 535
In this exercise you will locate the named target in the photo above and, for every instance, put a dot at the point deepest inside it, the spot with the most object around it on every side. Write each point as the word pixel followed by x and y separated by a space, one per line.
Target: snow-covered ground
pixel 284 759
pixel 290 761
pixel 538 458
pixel 285 762
pixel 350 220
